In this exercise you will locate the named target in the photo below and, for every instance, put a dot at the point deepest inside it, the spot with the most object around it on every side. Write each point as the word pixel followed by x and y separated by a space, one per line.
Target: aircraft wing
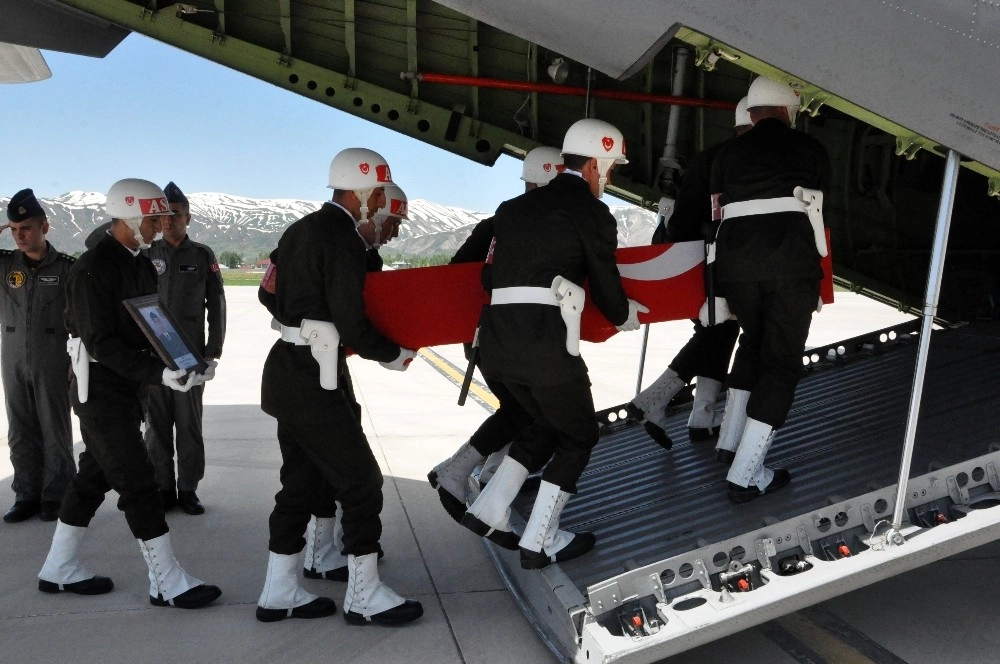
pixel 54 26
pixel 20 64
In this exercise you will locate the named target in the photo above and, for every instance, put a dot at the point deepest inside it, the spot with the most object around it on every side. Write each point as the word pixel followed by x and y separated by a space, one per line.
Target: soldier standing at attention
pixel 35 366
pixel 190 287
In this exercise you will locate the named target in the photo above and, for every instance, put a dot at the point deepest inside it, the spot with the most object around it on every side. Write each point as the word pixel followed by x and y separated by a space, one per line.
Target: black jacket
pixel 692 216
pixel 320 276
pixel 477 245
pixel 556 230
pixel 768 161
pixel 96 286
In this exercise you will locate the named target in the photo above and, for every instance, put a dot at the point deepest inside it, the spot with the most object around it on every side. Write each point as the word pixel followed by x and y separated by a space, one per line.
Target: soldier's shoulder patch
pixel 16 278
pixel 214 267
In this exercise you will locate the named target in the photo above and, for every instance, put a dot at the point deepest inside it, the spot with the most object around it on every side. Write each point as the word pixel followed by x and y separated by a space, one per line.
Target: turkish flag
pixel 431 306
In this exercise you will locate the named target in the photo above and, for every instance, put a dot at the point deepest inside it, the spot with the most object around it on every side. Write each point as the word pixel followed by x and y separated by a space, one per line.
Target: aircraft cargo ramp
pixel 666 529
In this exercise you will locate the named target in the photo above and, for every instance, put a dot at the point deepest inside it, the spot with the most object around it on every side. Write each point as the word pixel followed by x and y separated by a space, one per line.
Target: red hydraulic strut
pixel 552 88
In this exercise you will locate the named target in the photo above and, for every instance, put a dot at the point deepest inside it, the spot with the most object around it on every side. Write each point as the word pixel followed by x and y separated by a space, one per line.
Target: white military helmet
pixel 595 138
pixel 742 118
pixel 767 92
pixel 541 165
pixel 395 206
pixel 132 199
pixel 359 170
pixel 598 139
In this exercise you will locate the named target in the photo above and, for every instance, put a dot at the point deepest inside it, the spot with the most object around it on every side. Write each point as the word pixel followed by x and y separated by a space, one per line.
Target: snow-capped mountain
pixel 252 227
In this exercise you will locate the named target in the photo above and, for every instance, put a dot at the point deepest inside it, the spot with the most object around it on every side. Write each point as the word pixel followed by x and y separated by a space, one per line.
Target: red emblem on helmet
pixel 129 200
pixel 608 143
pixel 397 208
pixel 382 173
pixel 546 167
pixel 364 168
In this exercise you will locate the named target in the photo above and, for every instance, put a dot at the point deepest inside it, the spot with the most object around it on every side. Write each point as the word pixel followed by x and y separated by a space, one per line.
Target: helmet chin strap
pixel 134 225
pixel 378 221
pixel 603 164
pixel 793 112
pixel 363 196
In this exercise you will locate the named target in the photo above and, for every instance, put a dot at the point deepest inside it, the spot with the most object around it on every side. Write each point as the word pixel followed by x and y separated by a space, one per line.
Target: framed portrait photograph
pixel 165 334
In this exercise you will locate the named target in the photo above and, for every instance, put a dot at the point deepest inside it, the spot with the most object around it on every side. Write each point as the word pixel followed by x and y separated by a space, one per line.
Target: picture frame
pixel 163 332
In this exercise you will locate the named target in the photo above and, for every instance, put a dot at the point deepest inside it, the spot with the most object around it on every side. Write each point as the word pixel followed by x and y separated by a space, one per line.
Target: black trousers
pixel 562 434
pixel 166 410
pixel 501 426
pixel 708 351
pixel 115 458
pixel 326 504
pixel 775 317
pixel 325 455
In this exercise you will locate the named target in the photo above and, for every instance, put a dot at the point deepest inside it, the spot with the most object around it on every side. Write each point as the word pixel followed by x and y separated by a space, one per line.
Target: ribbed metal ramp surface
pixel 844 437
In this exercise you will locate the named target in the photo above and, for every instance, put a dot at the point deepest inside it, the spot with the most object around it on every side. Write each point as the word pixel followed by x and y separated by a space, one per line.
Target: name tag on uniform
pixel 48 280
pixel 188 268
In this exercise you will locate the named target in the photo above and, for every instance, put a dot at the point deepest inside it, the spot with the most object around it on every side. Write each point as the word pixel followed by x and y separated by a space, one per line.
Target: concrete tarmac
pixel 940 613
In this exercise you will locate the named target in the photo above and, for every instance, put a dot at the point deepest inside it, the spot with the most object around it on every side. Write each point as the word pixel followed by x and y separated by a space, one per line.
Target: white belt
pixel 292 335
pixel 762 206
pixel 524 295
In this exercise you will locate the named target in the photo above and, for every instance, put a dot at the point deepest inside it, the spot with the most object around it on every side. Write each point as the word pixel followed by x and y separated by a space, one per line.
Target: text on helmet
pixel 153 206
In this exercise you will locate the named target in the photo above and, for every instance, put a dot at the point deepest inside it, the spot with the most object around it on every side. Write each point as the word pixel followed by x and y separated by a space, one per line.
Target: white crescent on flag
pixel 676 260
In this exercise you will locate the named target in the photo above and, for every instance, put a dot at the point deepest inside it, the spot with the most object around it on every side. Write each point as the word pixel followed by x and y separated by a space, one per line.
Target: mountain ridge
pixel 252 227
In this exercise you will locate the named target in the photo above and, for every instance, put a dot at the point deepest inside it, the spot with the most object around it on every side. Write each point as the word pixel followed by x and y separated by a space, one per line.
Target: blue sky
pixel 152 111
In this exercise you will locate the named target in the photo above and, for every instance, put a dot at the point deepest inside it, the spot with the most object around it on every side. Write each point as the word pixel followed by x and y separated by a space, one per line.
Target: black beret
pixel 174 194
pixel 23 206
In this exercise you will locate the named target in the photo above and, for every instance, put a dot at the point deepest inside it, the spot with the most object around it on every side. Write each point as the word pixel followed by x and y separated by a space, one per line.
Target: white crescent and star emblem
pixel 676 260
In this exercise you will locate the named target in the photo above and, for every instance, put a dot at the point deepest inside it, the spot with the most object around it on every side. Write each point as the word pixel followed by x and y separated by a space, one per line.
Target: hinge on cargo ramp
pixel 611 595
pixel 959 494
pixel 765 550
pixel 993 475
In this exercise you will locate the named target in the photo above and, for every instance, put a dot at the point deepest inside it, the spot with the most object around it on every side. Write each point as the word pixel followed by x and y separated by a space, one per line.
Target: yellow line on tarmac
pixel 457 377
pixel 822 642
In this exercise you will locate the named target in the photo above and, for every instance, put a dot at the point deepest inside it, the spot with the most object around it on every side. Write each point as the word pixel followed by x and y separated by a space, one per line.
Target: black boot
pixel 193 598
pixel 22 510
pixel 96 585
pixel 320 607
pixel 738 494
pixel 658 434
pixel 188 501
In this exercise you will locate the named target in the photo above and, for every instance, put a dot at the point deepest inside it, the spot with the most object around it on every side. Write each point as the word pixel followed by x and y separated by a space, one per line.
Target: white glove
pixel 722 312
pixel 819 305
pixel 632 322
pixel 202 378
pixel 172 379
pixel 402 362
pixel 210 371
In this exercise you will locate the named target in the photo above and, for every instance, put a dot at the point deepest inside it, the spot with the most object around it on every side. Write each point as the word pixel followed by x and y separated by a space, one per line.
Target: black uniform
pixel 35 370
pixel 115 457
pixel 502 425
pixel 768 266
pixel 556 230
pixel 711 347
pixel 321 277
pixel 190 286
